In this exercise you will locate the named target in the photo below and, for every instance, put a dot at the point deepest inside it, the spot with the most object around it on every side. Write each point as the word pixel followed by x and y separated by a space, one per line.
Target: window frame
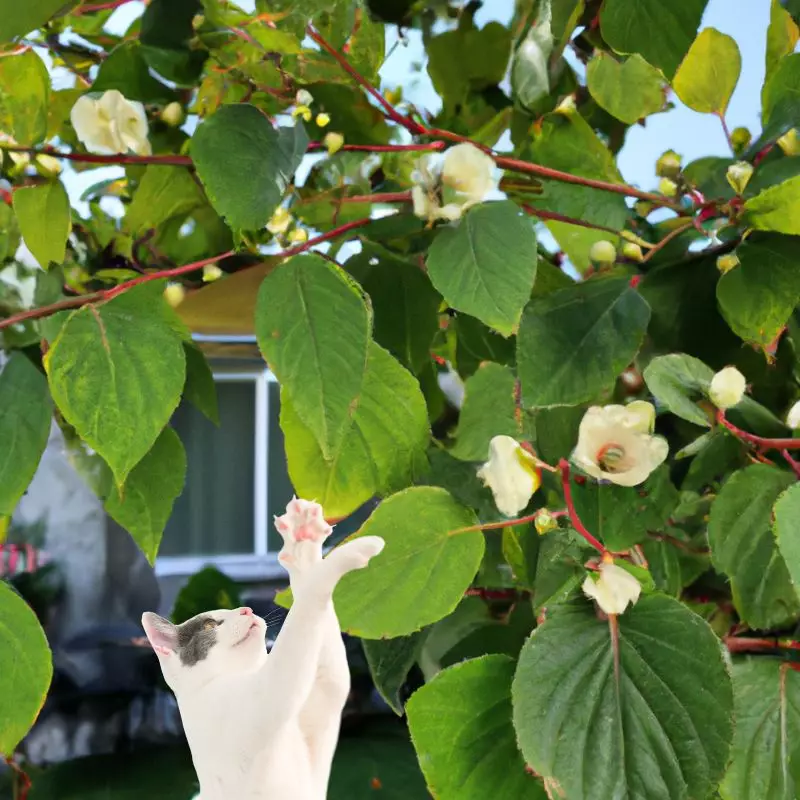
pixel 261 564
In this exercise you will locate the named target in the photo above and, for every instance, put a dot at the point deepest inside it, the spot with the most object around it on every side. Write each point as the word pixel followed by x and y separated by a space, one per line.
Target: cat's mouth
pixel 253 624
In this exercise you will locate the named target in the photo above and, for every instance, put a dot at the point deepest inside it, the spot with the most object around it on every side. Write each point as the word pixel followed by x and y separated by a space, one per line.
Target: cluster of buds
pixel 282 225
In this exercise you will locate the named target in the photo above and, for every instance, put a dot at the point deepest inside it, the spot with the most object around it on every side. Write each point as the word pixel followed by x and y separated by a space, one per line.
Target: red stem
pixel 23 777
pixel 93 158
pixel 761 442
pixel 492 594
pixel 383 148
pixel 573 514
pixel 795 465
pixel 727 132
pixel 99 7
pixel 743 644
pixel 553 215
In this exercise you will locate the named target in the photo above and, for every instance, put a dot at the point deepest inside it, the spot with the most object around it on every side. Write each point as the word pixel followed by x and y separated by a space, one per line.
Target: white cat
pixel 265 727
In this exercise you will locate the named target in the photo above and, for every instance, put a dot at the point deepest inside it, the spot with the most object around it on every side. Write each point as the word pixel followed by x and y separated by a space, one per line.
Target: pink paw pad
pixel 302 522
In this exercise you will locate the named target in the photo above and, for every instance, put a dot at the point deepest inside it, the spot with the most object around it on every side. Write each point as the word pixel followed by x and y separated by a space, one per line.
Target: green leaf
pixel 660 32
pixel 208 588
pixel 427 563
pixel 17 20
pixel 572 344
pixel 381 447
pixel 126 70
pixel 489 410
pixel 26 668
pixel 709 73
pixel 659 707
pixel 163 193
pixel 47 201
pixel 677 381
pixel 758 296
pixel 530 66
pixel 743 546
pixel 664 563
pixel 774 209
pixel 245 164
pixel 567 142
pixel 786 515
pixel 390 661
pixel 145 504
pixel 24 97
pixel 313 328
pixel 486 265
pixel 404 303
pixel 200 389
pixel 782 37
pixel 476 343
pixel 628 90
pixel 461 727
pixel 765 758
pixel 25 413
pixel 165 37
pixel 119 390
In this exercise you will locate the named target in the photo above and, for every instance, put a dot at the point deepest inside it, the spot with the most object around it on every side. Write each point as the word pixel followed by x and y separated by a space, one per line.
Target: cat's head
pixel 207 646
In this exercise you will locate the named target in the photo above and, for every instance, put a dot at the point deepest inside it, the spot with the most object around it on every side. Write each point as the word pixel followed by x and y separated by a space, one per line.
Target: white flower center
pixel 610 457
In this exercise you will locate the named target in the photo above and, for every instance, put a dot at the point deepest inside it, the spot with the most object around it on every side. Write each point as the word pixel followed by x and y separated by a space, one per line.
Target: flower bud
pixel 669 165
pixel 544 522
pixel 172 114
pixel 727 388
pixel 211 272
pixel 322 119
pixel 727 262
pixel 738 175
pixel 303 97
pixel 280 221
pixel 333 142
pixel 47 165
pixel 740 138
pixel 302 111
pixel 790 143
pixel 174 294
pixel 614 589
pixel 298 236
pixel 394 96
pixel 567 105
pixel 793 417
pixel 603 252
pixel 668 187
pixel 632 251
pixel 197 21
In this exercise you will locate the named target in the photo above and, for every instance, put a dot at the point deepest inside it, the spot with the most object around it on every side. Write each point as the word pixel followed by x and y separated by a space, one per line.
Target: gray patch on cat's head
pixel 195 639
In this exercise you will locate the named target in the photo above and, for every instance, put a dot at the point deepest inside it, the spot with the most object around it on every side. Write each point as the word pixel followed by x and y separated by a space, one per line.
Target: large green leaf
pixel 568 143
pixel 486 265
pixel 708 75
pixel 786 523
pixel 775 208
pixel 782 37
pixel 21 18
pixel 404 303
pixel 32 205
pixel 126 71
pixel 118 386
pixel 313 327
pixel 743 546
pixel 660 32
pixel 572 344
pixel 145 504
pixel 629 90
pixel 165 37
pixel 163 193
pixel 656 701
pixel 390 661
pixel 765 757
pixel 24 96
pixel 758 296
pixel 26 668
pixel 25 412
pixel 381 447
pixel 677 381
pixel 245 164
pixel 530 66
pixel 489 410
pixel 428 565
pixel 461 727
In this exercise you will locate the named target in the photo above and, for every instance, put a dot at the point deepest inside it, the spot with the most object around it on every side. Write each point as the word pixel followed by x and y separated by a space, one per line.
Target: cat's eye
pixel 209 624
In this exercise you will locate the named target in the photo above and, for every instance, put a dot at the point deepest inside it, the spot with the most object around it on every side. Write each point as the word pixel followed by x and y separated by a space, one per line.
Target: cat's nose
pixel 246 611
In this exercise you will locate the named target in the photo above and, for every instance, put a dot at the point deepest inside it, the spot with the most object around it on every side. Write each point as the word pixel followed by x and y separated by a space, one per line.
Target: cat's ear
pixel 163 635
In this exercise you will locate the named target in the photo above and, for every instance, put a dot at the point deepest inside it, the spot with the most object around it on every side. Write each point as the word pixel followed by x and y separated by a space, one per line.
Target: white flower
pixel 793 417
pixel 727 388
pixel 511 473
pixel 616 443
pixel 738 175
pixel 303 98
pixel 444 190
pixel 303 520
pixel 614 589
pixel 110 124
pixel 280 221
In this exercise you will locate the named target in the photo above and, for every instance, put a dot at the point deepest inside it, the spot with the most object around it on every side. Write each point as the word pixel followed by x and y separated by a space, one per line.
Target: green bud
pixel 603 252
pixel 544 522
pixel 740 138
pixel 669 165
pixel 727 262
pixel 632 251
pixel 739 175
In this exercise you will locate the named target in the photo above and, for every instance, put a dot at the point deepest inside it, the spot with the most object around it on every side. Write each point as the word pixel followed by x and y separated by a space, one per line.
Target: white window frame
pixel 261 564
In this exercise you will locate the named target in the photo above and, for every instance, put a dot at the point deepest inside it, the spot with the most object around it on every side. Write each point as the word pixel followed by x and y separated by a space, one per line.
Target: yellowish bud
pixel 740 138
pixel 174 294
pixel 211 272
pixel 302 111
pixel 48 165
pixel 632 251
pixel 394 96
pixel 298 236
pixel 727 262
pixel 790 143
pixel 566 106
pixel 304 97
pixel 668 187
pixel 322 120
pixel 669 165
pixel 545 522
pixel 334 142
pixel 172 114
pixel 603 252
pixel 739 175
pixel 280 221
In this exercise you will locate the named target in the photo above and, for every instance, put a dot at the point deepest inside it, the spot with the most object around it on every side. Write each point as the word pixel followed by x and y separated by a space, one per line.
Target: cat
pixel 259 726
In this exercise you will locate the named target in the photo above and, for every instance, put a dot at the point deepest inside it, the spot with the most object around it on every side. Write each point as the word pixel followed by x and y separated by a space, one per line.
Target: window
pixel 236 481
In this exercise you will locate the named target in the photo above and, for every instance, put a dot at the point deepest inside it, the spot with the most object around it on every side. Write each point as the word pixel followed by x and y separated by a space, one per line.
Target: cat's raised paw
pixel 356 554
pixel 303 529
